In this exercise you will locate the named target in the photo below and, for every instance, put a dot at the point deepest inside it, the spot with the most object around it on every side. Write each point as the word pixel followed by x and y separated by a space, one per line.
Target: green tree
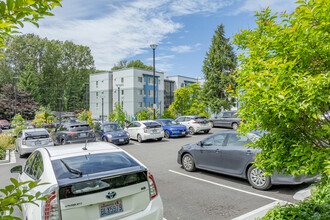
pixel 188 101
pixel 14 13
pixel 118 115
pixel 168 114
pixel 134 63
pixel 219 64
pixel 18 123
pixel 143 115
pixel 284 84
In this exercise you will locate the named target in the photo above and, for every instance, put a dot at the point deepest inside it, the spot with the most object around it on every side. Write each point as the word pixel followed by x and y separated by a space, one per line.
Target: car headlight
pixel 127 133
pixel 109 136
pixel 171 129
pixel 180 148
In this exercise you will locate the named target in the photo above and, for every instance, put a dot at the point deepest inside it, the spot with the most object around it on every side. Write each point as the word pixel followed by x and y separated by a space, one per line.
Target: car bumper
pixel 178 133
pixel 121 140
pixel 154 211
pixel 147 136
pixel 291 180
pixel 202 128
pixel 24 149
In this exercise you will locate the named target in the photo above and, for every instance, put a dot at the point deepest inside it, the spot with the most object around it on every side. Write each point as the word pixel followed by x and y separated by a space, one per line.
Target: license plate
pixel 121 140
pixel 155 131
pixel 83 135
pixel 37 143
pixel 183 132
pixel 111 208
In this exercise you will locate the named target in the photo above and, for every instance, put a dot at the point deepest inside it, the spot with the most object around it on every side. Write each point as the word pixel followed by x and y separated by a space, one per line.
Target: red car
pixel 4 124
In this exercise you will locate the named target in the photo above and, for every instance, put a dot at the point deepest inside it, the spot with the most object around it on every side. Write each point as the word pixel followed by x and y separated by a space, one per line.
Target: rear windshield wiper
pixel 72 170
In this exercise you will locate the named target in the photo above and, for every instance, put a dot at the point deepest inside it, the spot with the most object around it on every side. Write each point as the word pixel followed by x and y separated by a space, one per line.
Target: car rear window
pixel 200 118
pixel 93 163
pixel 152 125
pixel 80 127
pixel 36 135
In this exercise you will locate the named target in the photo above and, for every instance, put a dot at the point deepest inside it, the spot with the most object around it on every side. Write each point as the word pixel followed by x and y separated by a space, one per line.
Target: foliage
pixel 118 115
pixel 283 82
pixel 143 115
pixel 168 114
pixel 7 103
pixel 134 63
pixel 317 206
pixel 18 123
pixel 152 111
pixel 14 13
pixel 15 197
pixel 48 70
pixel 219 64
pixel 90 121
pixel 83 116
pixel 6 143
pixel 188 101
pixel 39 120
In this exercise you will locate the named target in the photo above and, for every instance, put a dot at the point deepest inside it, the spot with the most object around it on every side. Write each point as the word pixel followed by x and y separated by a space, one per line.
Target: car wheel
pixel 139 138
pixel 191 130
pixel 188 163
pixel 212 124
pixel 159 139
pixel 63 142
pixel 103 139
pixel 206 131
pixel 234 126
pixel 167 134
pixel 257 179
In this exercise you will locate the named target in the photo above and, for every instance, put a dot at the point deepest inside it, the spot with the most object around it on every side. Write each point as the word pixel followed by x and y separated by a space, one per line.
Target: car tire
pixel 103 139
pixel 191 130
pixel 159 139
pixel 234 126
pixel 188 163
pixel 63 142
pixel 139 138
pixel 206 131
pixel 257 180
pixel 167 134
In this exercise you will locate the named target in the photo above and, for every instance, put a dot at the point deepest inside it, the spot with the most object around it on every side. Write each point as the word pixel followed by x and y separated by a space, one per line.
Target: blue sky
pixel 118 30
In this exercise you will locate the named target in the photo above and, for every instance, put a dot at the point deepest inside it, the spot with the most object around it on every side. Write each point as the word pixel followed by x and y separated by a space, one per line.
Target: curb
pixel 7 158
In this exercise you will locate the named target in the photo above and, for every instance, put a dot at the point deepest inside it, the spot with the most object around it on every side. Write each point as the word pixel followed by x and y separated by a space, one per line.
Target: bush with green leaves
pixel 6 143
pixel 118 115
pixel 168 114
pixel 315 207
pixel 142 115
pixel 18 123
pixel 13 196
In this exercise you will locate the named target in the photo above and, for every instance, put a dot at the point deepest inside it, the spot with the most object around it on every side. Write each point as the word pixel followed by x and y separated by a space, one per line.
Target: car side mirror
pixel 201 143
pixel 17 169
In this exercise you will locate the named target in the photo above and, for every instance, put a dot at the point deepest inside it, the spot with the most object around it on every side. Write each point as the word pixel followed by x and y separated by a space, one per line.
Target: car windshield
pixel 92 163
pixel 3 122
pixel 169 122
pixel 112 127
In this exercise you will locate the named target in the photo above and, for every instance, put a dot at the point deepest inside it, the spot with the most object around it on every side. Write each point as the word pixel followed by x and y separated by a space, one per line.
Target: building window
pixel 140 104
pixel 149 93
pixel 97 84
pixel 122 80
pixel 151 80
pixel 144 80
pixel 144 92
pixel 140 79
pixel 97 105
pixel 122 92
pixel 97 95
pixel 182 85
pixel 140 91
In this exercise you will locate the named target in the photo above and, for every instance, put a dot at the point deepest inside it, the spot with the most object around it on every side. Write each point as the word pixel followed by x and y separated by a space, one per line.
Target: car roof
pixel 34 129
pixel 143 121
pixel 71 150
pixel 164 119
pixel 109 123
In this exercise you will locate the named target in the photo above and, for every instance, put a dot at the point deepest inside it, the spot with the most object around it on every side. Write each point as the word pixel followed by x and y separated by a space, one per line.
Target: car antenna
pixel 85 148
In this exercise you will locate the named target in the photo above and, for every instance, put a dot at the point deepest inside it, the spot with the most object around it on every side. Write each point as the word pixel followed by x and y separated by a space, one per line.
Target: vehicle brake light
pixel 50 139
pixel 195 122
pixel 71 133
pixel 145 130
pixel 152 186
pixel 23 142
pixel 51 211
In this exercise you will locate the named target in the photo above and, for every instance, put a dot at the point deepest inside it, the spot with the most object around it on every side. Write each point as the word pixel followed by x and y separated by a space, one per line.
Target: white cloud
pixel 117 30
pixel 185 48
pixel 258 5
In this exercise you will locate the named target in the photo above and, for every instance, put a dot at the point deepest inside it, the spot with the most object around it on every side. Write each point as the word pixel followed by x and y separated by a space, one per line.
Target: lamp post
pixel 21 96
pixel 102 109
pixel 15 78
pixel 119 85
pixel 153 46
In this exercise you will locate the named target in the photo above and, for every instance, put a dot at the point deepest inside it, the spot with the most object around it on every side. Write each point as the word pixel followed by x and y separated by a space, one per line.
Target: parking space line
pixel 224 186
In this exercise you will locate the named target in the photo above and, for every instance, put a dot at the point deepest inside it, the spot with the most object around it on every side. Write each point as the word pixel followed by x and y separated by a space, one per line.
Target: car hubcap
pixel 235 126
pixel 187 163
pixel 191 130
pixel 167 134
pixel 257 177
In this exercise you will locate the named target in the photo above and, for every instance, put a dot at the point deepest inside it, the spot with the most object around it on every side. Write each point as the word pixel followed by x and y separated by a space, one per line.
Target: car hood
pixel 175 127
pixel 120 133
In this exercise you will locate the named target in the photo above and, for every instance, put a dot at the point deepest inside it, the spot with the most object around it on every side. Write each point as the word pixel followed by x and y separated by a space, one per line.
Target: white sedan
pixel 93 181
pixel 145 130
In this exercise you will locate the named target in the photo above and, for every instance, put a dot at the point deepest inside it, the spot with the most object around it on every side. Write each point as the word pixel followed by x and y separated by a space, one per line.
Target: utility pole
pixel 153 46
pixel 102 109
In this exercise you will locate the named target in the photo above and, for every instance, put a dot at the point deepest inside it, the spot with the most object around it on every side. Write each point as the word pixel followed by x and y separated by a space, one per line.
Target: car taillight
pixel 23 142
pixel 145 130
pixel 51 208
pixel 152 186
pixel 195 122
pixel 71 133
pixel 50 139
pixel 243 121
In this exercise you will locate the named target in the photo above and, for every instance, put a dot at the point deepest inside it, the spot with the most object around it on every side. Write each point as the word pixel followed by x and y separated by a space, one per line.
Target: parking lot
pixel 196 195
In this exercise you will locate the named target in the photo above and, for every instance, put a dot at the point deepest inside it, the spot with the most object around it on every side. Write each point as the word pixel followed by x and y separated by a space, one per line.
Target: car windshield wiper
pixel 72 170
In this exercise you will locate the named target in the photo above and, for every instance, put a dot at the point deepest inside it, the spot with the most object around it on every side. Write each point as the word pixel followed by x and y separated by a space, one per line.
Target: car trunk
pixel 37 140
pixel 153 128
pixel 113 197
pixel 202 121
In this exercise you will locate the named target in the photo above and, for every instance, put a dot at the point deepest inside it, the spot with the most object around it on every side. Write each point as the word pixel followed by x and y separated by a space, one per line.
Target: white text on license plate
pixel 121 140
pixel 111 208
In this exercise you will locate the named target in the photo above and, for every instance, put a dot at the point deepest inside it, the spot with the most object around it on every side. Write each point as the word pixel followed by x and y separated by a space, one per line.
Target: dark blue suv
pixel 172 128
pixel 112 132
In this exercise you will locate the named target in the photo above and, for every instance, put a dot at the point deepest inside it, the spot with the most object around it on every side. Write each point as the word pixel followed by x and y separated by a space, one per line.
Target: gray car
pixel 228 119
pixel 224 152
pixel 30 139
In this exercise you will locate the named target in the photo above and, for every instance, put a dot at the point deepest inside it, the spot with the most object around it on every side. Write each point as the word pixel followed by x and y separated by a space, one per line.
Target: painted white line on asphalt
pixel 224 186
pixel 12 157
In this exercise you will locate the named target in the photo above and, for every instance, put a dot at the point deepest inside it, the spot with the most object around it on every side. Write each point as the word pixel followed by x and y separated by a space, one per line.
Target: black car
pixel 73 133
pixel 229 119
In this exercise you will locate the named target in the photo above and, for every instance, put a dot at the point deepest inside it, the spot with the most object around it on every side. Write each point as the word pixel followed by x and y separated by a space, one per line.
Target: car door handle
pixel 249 152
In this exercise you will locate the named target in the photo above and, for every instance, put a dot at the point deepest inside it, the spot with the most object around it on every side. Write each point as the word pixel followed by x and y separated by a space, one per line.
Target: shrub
pixel 6 143
pixel 168 114
pixel 18 123
pixel 315 207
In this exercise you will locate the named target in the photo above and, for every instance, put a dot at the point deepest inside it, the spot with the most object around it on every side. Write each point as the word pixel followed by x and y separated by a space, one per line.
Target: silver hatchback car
pixel 30 139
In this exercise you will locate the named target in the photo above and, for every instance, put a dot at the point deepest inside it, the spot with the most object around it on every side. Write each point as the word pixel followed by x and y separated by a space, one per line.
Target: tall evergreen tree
pixel 219 64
